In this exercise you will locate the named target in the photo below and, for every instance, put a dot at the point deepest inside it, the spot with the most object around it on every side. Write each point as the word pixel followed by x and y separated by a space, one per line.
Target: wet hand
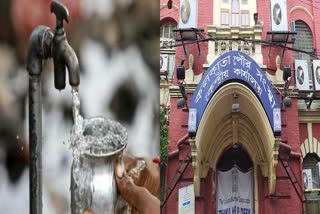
pixel 138 197
pixel 144 173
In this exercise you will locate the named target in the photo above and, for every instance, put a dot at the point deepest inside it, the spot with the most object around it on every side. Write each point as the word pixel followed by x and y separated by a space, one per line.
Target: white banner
pixel 234 192
pixel 307 179
pixel 186 200
pixel 192 123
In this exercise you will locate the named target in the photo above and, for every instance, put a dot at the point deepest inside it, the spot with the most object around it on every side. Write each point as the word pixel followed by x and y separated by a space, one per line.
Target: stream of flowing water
pixel 93 142
pixel 77 142
pixel 96 135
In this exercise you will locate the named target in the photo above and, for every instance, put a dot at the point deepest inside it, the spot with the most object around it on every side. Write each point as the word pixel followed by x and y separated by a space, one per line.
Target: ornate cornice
pixel 309 116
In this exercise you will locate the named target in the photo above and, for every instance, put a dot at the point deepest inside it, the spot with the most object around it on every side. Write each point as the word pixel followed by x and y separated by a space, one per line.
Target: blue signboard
pixel 234 66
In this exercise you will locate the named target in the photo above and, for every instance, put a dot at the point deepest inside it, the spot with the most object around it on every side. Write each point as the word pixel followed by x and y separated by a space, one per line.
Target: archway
pixel 221 127
pixel 234 103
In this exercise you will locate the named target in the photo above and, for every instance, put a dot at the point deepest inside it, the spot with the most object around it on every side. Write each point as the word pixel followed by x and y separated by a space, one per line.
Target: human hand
pixel 145 173
pixel 138 197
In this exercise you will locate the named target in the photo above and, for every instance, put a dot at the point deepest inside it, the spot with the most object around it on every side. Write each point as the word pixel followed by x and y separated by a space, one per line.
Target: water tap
pixel 43 44
pixel 62 53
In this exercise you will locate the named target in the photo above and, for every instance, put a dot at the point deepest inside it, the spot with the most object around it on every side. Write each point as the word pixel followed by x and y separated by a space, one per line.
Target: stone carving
pixel 279 72
pixel 191 78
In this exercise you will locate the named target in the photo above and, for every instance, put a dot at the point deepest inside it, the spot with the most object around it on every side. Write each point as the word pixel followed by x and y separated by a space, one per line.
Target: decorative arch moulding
pixel 235 66
pixel 235 72
pixel 301 8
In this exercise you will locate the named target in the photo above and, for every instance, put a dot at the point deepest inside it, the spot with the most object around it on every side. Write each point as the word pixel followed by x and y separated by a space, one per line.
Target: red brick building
pixel 224 133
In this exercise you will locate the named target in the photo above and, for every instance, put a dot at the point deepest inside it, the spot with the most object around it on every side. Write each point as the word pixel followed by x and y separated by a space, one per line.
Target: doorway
pixel 235 182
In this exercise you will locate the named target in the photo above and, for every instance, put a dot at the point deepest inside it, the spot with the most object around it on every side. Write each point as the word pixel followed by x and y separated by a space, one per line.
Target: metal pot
pixel 93 185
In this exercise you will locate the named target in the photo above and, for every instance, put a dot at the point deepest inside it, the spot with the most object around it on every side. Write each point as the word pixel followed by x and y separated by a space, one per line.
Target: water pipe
pixel 43 44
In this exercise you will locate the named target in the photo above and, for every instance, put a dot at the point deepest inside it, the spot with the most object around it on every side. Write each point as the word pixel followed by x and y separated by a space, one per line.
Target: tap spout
pixel 62 53
pixel 39 48
pixel 43 44
pixel 64 56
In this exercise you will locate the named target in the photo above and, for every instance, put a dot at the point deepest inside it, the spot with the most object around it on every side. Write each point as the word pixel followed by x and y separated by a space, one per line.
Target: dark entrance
pixel 235 156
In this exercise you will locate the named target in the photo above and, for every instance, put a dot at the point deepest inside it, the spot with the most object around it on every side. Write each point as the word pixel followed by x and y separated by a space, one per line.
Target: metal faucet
pixel 44 44
pixel 62 53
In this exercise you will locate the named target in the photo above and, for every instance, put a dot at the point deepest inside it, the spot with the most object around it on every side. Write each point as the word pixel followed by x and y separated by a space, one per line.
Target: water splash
pixel 93 138
pixel 77 146
pixel 96 136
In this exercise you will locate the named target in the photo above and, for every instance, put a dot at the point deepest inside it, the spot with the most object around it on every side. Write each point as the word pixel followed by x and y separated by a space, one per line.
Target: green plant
pixel 164 151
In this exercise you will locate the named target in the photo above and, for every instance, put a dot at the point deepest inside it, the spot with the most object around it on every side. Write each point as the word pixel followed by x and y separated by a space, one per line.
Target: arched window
pixel 167 38
pixel 304 41
pixel 166 30
pixel 311 182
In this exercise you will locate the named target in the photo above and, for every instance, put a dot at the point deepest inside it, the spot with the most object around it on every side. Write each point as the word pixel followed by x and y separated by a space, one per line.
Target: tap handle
pixel 61 13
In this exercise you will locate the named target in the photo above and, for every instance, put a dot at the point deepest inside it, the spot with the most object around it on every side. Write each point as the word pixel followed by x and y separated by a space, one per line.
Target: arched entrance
pixel 234 104
pixel 234 181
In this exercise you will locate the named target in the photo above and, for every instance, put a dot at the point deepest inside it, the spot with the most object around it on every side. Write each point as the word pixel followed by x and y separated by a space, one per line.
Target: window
pixel 304 41
pixel 245 18
pixel 310 165
pixel 235 13
pixel 168 74
pixel 166 30
pixel 225 18
pixel 310 162
pixel 232 14
pixel 167 37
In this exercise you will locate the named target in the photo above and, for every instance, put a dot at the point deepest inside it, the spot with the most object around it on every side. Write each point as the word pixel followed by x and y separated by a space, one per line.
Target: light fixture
pixel 189 35
pixel 235 107
pixel 181 74
pixel 169 4
pixel 181 103
pixel 286 73
pixel 236 146
pixel 287 102
pixel 255 17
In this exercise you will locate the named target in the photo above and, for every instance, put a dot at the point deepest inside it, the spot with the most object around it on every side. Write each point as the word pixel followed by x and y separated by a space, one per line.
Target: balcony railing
pixel 220 46
pixel 167 43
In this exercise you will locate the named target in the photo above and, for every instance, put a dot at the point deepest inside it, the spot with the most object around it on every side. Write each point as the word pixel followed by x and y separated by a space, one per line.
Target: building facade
pixel 246 141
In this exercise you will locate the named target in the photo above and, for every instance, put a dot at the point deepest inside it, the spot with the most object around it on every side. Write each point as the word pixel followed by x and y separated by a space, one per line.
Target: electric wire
pixel 254 41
